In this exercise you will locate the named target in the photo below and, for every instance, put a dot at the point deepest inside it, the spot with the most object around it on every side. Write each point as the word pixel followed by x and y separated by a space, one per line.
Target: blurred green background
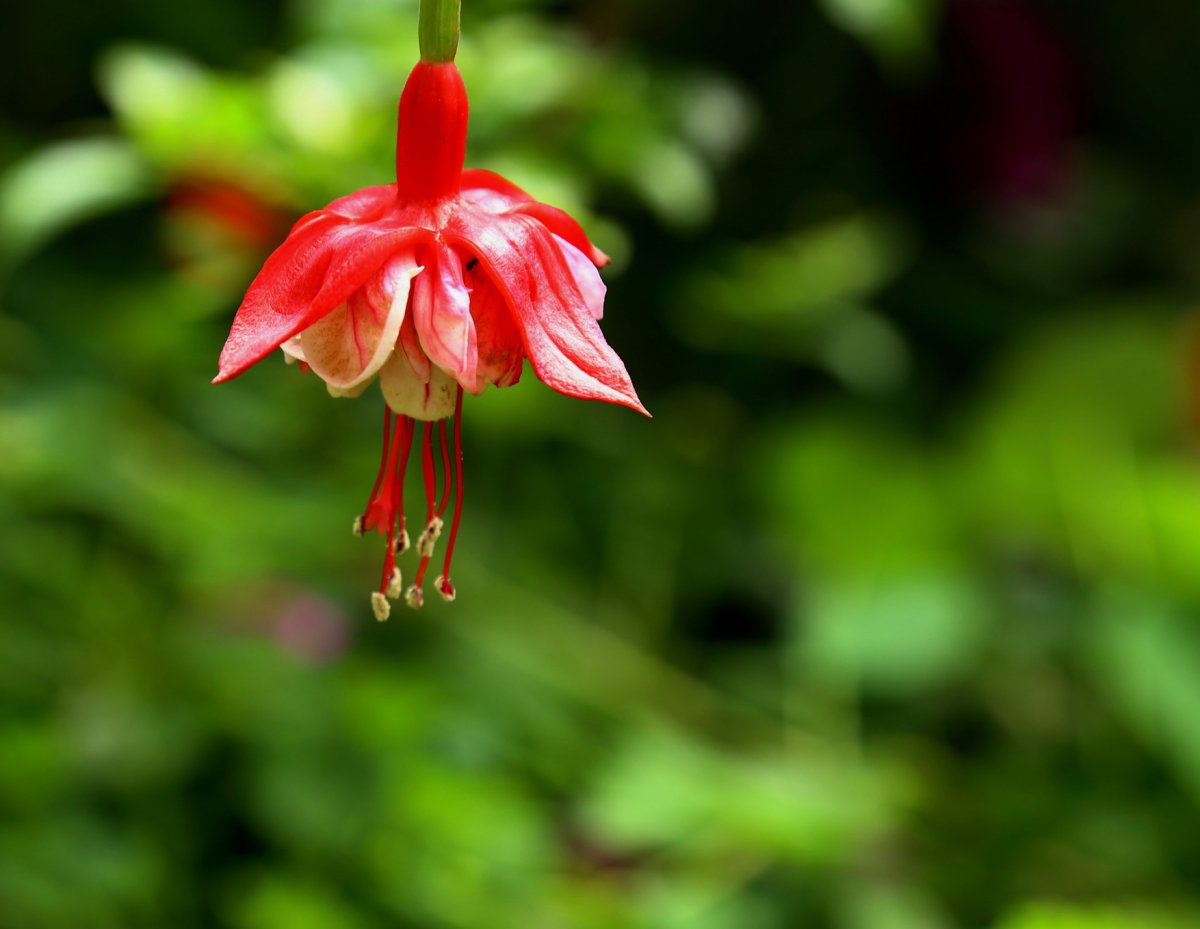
pixel 888 620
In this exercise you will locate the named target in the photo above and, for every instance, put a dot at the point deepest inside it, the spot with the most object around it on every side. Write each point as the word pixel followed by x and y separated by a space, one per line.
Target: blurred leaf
pixel 663 793
pixel 884 622
pixel 854 498
pixel 64 184
pixel 1082 916
pixel 179 112
pixel 893 635
pixel 899 32
pixel 864 906
pixel 1147 660
pixel 1073 421
pixel 674 183
pixel 273 900
pixel 769 296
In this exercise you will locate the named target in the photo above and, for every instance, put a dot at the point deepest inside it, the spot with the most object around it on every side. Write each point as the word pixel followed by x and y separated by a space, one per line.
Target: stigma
pixel 384 512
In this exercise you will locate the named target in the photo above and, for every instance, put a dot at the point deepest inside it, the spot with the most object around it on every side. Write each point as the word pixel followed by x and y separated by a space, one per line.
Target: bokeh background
pixel 887 620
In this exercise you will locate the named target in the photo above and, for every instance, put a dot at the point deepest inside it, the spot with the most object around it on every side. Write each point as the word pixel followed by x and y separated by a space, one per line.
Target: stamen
pixel 429 537
pixel 389 563
pixel 360 523
pixel 386 506
pixel 427 468
pixel 445 469
pixel 385 509
pixel 433 526
pixel 381 509
pixel 400 543
pixel 445 588
pixel 389 560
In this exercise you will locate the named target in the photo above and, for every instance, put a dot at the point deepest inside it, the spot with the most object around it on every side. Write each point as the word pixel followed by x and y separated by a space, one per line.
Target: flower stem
pixel 438 30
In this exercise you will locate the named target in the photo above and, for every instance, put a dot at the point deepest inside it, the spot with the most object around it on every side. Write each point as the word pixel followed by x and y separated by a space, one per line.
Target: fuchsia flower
pixel 442 282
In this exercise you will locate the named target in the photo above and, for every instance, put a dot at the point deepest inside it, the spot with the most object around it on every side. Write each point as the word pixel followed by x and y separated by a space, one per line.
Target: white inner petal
pixel 292 350
pixel 348 346
pixel 410 395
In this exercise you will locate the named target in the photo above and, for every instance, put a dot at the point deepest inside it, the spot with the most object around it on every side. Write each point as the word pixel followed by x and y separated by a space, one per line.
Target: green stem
pixel 438 30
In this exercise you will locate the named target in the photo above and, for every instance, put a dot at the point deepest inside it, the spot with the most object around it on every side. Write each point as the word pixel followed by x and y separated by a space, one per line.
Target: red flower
pixel 442 282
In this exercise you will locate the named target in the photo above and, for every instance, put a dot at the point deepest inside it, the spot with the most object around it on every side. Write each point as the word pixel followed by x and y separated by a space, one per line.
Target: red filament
pixel 444 585
pixel 384 512
pixel 406 426
pixel 445 469
pixel 430 497
pixel 427 468
pixel 383 469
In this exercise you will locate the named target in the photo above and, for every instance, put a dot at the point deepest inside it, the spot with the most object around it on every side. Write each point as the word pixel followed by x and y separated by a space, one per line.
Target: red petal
pixel 495 194
pixel 586 277
pixel 476 182
pixel 326 258
pixel 365 205
pixel 562 340
pixel 562 225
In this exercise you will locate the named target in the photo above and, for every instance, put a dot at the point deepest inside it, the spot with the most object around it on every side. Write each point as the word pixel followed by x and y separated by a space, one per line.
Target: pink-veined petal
pixel 325 259
pixel 562 340
pixel 489 191
pixel 411 346
pixel 441 308
pixel 409 393
pixel 346 347
pixel 495 194
pixel 563 226
pixel 587 278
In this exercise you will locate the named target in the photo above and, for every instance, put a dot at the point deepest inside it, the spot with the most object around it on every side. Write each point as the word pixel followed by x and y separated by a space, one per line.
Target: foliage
pixel 885 621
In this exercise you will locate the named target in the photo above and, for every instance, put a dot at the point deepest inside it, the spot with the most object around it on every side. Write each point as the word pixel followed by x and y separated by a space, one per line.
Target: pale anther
pixel 380 606
pixel 395 585
pixel 429 537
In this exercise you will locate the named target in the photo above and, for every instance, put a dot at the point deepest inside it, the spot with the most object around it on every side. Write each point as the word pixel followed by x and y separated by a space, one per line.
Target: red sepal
pixel 326 258
pixel 563 341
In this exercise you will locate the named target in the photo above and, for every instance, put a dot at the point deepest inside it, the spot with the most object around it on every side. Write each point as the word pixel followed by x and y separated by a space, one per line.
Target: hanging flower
pixel 442 282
